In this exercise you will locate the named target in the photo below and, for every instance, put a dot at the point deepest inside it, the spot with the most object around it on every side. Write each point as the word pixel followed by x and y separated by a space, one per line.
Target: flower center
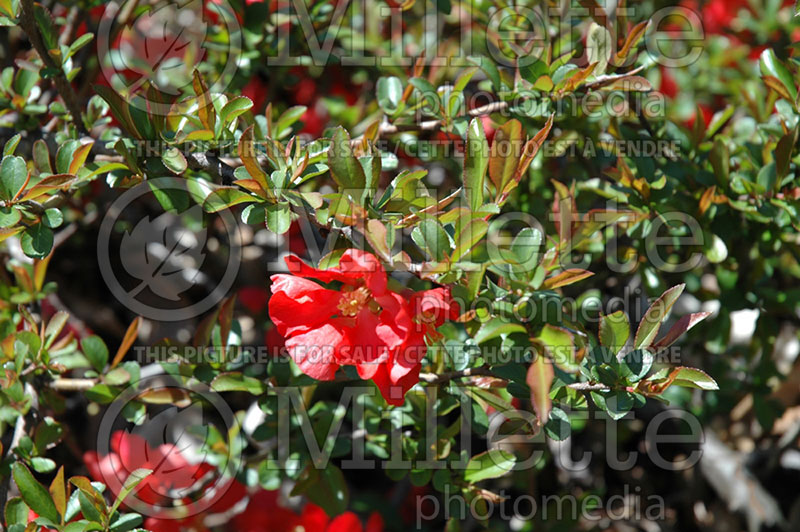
pixel 352 302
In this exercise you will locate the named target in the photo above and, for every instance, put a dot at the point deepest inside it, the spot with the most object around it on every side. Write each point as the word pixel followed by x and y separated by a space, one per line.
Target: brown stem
pixel 485 371
pixel 494 107
pixel 433 378
pixel 63 86
pixel 72 385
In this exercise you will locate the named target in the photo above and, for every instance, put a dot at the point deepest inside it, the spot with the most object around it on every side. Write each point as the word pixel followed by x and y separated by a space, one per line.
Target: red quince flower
pixel 264 513
pixel 362 323
pixel 130 452
pixel 716 15
pixel 253 298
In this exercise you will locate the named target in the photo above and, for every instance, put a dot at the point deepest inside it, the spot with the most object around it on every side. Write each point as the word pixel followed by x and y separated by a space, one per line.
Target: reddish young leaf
pixel 539 379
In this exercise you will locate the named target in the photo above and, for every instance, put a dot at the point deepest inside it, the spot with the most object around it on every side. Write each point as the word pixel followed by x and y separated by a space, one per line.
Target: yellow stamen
pixel 351 303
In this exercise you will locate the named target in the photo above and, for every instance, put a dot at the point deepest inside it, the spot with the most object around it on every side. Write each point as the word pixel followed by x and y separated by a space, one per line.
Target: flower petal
pixel 134 451
pixel 299 305
pixel 347 522
pixel 363 265
pixel 315 351
pixel 408 357
pixel 395 393
pixel 435 306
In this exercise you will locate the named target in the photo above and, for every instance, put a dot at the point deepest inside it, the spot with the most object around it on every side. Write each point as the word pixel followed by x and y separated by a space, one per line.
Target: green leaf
pixel 225 198
pixel 615 330
pixel 96 352
pixel 9 216
pixel 618 404
pixel 431 236
pixel 52 218
pixel 46 27
pixel 170 198
pixel 425 87
pixel 657 313
pixel 64 156
pixel 345 168
pixel 34 494
pixel 772 66
pixel 124 522
pixel 490 69
pixel 560 345
pixel 37 241
pixel 174 160
pixel 79 43
pixel 720 161
pixel 278 217
pixel 326 488
pixel 558 426
pixel 130 484
pixel 41 157
pixel 13 175
pixel 783 154
pixel 526 247
pixel 505 152
pixel 42 465
pixel 767 176
pixel 11 145
pixel 119 108
pixel 468 237
pixel 532 69
pixel 238 382
pixel 719 119
pixel 390 93
pixel 716 250
pixel 598 47
pixel 234 108
pixel 289 117
pixel 101 393
pixel 638 364
pixel 495 328
pixel 16 512
pixel 490 464
pixel 476 163
pixel 693 378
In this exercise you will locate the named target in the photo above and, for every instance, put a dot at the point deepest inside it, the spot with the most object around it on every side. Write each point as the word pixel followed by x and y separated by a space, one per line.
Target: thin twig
pixel 72 385
pixel 494 107
pixel 63 86
pixel 433 378
pixel 213 165
pixel 485 371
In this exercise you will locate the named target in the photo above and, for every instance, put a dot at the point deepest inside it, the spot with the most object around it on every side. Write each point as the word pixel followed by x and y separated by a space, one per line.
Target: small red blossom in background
pixel 129 452
pixel 171 471
pixel 716 15
pixel 363 323
pixel 264 513
pixel 258 91
pixel 253 298
pixel 706 117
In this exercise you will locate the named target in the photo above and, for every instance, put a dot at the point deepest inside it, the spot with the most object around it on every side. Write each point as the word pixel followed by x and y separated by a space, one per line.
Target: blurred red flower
pixel 253 298
pixel 129 452
pixel 265 514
